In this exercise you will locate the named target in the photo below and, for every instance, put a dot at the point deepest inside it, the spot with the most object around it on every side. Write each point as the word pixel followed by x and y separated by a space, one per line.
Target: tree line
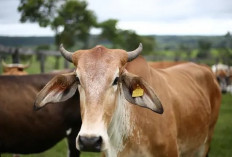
pixel 71 22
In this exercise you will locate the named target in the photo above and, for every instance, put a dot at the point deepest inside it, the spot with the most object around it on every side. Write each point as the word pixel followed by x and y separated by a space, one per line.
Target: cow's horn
pixel 133 54
pixel 66 54
pixel 4 64
pixel 26 65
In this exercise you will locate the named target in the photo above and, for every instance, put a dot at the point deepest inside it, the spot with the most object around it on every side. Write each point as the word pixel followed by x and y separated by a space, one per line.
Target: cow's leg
pixel 207 154
pixel 207 149
pixel 71 137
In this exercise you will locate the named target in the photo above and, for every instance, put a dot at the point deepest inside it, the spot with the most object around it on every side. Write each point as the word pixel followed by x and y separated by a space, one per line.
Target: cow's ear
pixel 60 88
pixel 137 91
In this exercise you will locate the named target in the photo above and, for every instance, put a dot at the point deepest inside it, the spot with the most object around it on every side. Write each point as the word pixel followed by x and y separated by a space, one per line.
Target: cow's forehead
pixel 99 57
pixel 98 66
pixel 96 69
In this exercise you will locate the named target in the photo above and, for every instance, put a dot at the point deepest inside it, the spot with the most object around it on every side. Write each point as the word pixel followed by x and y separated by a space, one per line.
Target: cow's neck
pixel 119 128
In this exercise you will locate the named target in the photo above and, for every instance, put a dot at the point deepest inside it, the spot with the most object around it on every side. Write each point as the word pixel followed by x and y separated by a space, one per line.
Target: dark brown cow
pixel 129 109
pixel 24 131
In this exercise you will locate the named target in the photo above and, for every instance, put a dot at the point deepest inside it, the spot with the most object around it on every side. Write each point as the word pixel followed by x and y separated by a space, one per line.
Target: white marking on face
pixel 120 126
pixel 94 130
pixel 96 127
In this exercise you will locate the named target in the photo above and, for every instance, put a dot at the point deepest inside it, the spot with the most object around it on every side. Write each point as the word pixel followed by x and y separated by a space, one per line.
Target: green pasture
pixel 221 145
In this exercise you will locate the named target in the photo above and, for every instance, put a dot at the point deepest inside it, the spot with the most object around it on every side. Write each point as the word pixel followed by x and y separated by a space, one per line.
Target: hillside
pixel 26 41
pixel 173 42
pixel 163 42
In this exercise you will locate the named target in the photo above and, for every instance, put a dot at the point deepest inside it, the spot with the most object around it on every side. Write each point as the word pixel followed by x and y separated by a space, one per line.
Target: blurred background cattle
pixel 168 39
pixel 14 69
pixel 224 76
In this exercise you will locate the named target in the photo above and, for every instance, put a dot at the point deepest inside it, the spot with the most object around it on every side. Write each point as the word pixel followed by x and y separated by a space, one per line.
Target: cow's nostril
pixel 80 142
pixel 99 140
pixel 92 144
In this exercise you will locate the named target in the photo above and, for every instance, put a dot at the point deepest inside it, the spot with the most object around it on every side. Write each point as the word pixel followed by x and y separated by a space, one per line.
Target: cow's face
pixel 97 73
pixel 103 84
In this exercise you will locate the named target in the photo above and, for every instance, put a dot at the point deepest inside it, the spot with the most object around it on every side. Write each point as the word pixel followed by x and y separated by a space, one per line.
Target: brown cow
pixel 14 69
pixel 130 109
pixel 24 131
pixel 164 64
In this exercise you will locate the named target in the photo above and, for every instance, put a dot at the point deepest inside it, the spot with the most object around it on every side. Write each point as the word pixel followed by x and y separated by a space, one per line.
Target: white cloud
pixel 186 27
pixel 24 30
pixel 8 11
pixel 178 17
pixel 160 10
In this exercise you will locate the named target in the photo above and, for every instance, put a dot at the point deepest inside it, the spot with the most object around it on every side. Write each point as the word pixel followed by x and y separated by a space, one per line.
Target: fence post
pixel 42 62
pixel 15 56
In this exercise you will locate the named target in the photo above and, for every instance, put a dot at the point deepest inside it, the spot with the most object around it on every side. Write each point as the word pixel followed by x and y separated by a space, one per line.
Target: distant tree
pixel 41 11
pixel 228 40
pixel 125 39
pixel 76 22
pixel 183 51
pixel 109 31
pixel 128 40
pixel 204 47
pixel 69 19
pixel 225 52
pixel 149 44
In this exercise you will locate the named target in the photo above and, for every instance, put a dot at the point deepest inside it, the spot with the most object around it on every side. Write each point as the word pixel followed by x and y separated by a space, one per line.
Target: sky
pixel 145 17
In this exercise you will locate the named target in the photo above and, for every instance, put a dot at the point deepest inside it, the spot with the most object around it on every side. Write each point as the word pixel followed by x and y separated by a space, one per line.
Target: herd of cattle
pixel 114 102
pixel 224 76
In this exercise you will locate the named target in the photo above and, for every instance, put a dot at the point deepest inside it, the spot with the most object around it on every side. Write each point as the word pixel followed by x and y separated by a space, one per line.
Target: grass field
pixel 221 145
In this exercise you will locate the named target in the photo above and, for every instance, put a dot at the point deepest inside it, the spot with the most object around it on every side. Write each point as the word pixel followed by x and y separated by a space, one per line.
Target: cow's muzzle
pixel 90 144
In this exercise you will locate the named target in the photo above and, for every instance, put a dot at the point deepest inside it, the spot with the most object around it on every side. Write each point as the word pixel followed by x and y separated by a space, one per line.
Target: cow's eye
pixel 78 80
pixel 115 81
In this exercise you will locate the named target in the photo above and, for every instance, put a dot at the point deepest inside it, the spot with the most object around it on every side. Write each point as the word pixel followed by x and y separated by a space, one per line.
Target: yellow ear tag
pixel 138 91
